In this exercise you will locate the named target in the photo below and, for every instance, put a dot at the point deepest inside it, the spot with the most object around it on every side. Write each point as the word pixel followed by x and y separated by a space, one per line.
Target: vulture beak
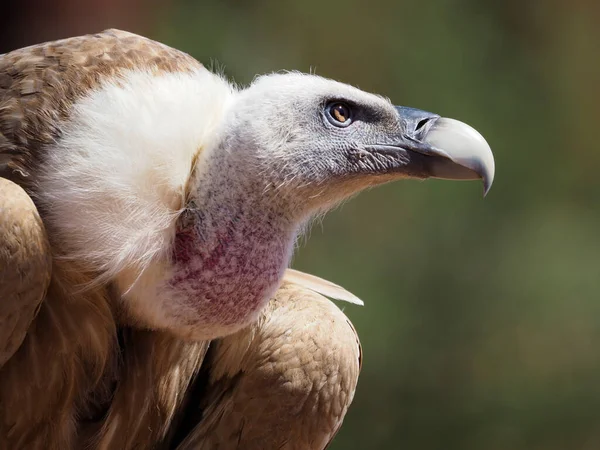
pixel 453 149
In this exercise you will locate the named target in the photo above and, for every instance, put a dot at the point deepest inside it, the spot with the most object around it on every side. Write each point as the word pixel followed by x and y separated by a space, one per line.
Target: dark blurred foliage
pixel 481 328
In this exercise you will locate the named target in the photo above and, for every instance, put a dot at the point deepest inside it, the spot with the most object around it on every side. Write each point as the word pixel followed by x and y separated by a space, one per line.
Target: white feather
pixel 321 286
pixel 115 181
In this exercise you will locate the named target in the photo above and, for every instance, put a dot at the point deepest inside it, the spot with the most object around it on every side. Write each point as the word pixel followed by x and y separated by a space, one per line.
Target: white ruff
pixel 115 181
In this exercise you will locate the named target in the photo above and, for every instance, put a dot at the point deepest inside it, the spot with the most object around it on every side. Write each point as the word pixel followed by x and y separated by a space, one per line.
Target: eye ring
pixel 339 114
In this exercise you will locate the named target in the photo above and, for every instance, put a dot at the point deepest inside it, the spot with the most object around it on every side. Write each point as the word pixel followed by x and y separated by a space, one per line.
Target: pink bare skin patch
pixel 225 272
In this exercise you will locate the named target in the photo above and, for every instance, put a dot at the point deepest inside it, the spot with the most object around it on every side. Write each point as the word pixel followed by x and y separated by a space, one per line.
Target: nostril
pixel 422 123
pixel 416 121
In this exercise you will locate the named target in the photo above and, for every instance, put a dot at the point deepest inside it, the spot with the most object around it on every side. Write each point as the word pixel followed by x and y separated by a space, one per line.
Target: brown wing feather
pixel 25 266
pixel 62 371
pixel 66 365
pixel 156 372
pixel 285 382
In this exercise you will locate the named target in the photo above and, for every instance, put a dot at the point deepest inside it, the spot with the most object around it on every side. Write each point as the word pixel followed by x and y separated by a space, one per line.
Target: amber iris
pixel 340 112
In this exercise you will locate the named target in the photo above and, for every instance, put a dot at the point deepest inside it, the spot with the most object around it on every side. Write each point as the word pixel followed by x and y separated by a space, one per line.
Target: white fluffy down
pixel 115 180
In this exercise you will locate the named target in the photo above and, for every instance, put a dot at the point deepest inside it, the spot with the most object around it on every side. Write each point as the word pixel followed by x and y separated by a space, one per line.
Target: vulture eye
pixel 339 114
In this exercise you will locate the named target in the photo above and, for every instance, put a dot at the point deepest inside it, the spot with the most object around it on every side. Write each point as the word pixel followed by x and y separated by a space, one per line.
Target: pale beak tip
pixel 470 155
pixel 486 173
pixel 486 187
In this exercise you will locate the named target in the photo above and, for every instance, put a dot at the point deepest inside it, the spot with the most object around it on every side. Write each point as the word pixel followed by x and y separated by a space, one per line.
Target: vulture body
pixel 149 210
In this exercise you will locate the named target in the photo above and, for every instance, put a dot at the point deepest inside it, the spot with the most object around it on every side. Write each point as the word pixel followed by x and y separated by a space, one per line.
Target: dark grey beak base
pixel 416 121
pixel 453 150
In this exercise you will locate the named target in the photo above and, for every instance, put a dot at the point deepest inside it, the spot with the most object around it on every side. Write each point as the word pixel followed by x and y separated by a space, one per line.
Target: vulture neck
pixel 233 206
pixel 233 243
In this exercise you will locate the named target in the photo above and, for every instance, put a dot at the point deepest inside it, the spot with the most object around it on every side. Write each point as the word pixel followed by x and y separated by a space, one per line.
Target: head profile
pixel 306 136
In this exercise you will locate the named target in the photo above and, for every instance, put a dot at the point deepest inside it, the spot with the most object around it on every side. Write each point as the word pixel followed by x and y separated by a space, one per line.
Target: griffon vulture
pixel 148 213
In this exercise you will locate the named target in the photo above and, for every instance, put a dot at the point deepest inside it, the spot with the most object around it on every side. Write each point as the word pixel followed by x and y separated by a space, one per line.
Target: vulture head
pixel 190 193
pixel 313 141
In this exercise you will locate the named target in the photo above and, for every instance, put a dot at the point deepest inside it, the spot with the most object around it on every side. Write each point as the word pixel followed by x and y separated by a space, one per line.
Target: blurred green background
pixel 481 328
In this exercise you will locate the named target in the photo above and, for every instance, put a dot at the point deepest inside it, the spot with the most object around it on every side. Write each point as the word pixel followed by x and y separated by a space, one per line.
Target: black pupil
pixel 340 112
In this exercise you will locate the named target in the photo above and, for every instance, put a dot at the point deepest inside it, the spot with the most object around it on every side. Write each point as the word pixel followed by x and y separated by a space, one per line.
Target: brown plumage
pixel 26 266
pixel 64 366
pixel 55 345
pixel 264 385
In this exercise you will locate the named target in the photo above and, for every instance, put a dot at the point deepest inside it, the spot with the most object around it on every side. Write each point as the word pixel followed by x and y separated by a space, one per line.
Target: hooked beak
pixel 450 149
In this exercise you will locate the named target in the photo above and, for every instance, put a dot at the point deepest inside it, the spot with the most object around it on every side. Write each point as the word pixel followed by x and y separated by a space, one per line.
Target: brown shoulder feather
pixel 40 83
pixel 25 266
